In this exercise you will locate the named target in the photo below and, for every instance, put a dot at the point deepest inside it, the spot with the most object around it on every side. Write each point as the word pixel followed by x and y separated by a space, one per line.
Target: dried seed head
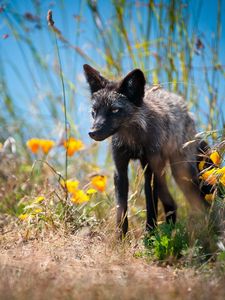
pixel 49 18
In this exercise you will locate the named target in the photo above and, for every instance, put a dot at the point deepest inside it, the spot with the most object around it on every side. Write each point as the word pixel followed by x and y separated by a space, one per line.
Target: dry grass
pixel 91 265
pixel 49 262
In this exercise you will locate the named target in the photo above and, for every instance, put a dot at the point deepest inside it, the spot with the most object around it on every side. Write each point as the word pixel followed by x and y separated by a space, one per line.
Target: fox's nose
pixel 92 134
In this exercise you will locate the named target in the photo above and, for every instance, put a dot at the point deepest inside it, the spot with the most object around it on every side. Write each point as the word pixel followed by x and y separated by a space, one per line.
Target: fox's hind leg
pixel 169 205
pixel 186 176
pixel 150 195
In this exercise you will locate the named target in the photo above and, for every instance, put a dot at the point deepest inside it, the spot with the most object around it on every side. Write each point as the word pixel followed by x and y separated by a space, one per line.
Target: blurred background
pixel 179 44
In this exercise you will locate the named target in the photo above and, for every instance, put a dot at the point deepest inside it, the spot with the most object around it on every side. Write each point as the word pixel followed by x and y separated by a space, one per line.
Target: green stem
pixel 65 110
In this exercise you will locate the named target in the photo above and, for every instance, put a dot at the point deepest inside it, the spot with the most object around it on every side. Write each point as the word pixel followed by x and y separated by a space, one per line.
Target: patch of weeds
pixel 193 240
pixel 167 241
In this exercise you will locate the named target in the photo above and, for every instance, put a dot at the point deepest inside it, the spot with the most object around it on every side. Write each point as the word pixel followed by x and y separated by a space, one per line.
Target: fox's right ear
pixel 133 86
pixel 95 80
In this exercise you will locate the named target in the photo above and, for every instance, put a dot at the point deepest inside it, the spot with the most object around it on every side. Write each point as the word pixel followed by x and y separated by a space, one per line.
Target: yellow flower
pixel 23 217
pixel 209 197
pixel 33 145
pixel 210 176
pixel 222 179
pixel 46 145
pixel 221 175
pixel 221 171
pixel 91 192
pixel 134 210
pixel 215 158
pixel 79 197
pixel 201 165
pixel 1 146
pixel 99 182
pixel 37 211
pixel 71 185
pixel 73 145
pixel 39 199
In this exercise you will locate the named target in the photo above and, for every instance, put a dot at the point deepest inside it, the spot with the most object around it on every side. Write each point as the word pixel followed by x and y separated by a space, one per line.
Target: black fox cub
pixel 152 125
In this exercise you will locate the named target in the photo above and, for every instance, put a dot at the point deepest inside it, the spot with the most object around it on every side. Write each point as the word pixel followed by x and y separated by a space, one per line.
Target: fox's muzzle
pixel 102 128
pixel 98 135
pixel 99 130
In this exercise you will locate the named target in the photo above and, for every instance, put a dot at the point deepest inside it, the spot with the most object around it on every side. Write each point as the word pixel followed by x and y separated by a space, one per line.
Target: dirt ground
pixel 89 266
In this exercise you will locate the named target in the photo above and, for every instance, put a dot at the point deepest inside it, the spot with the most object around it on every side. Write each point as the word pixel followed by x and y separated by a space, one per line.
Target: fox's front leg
pixel 121 191
pixel 151 195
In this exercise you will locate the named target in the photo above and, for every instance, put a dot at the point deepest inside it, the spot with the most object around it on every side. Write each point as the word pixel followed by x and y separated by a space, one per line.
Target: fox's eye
pixel 115 110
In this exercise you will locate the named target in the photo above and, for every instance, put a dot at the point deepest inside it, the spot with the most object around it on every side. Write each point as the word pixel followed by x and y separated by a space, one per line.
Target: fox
pixel 152 125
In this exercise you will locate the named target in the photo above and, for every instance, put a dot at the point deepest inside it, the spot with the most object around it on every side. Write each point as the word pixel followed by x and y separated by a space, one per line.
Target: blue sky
pixel 29 86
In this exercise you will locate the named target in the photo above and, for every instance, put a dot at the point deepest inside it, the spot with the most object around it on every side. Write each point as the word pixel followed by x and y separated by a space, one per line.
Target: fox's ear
pixel 95 80
pixel 133 86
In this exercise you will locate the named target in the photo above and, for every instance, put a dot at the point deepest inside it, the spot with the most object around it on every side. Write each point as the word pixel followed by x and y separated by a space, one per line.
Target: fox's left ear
pixel 133 86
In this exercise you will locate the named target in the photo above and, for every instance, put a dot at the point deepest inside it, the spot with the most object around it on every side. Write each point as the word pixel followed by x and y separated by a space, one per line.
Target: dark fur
pixel 149 124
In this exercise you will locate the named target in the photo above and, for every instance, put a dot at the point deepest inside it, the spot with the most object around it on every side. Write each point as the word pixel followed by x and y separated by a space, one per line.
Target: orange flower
pixel 46 145
pixel 99 182
pixel 33 145
pixel 210 176
pixel 215 158
pixel 73 145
